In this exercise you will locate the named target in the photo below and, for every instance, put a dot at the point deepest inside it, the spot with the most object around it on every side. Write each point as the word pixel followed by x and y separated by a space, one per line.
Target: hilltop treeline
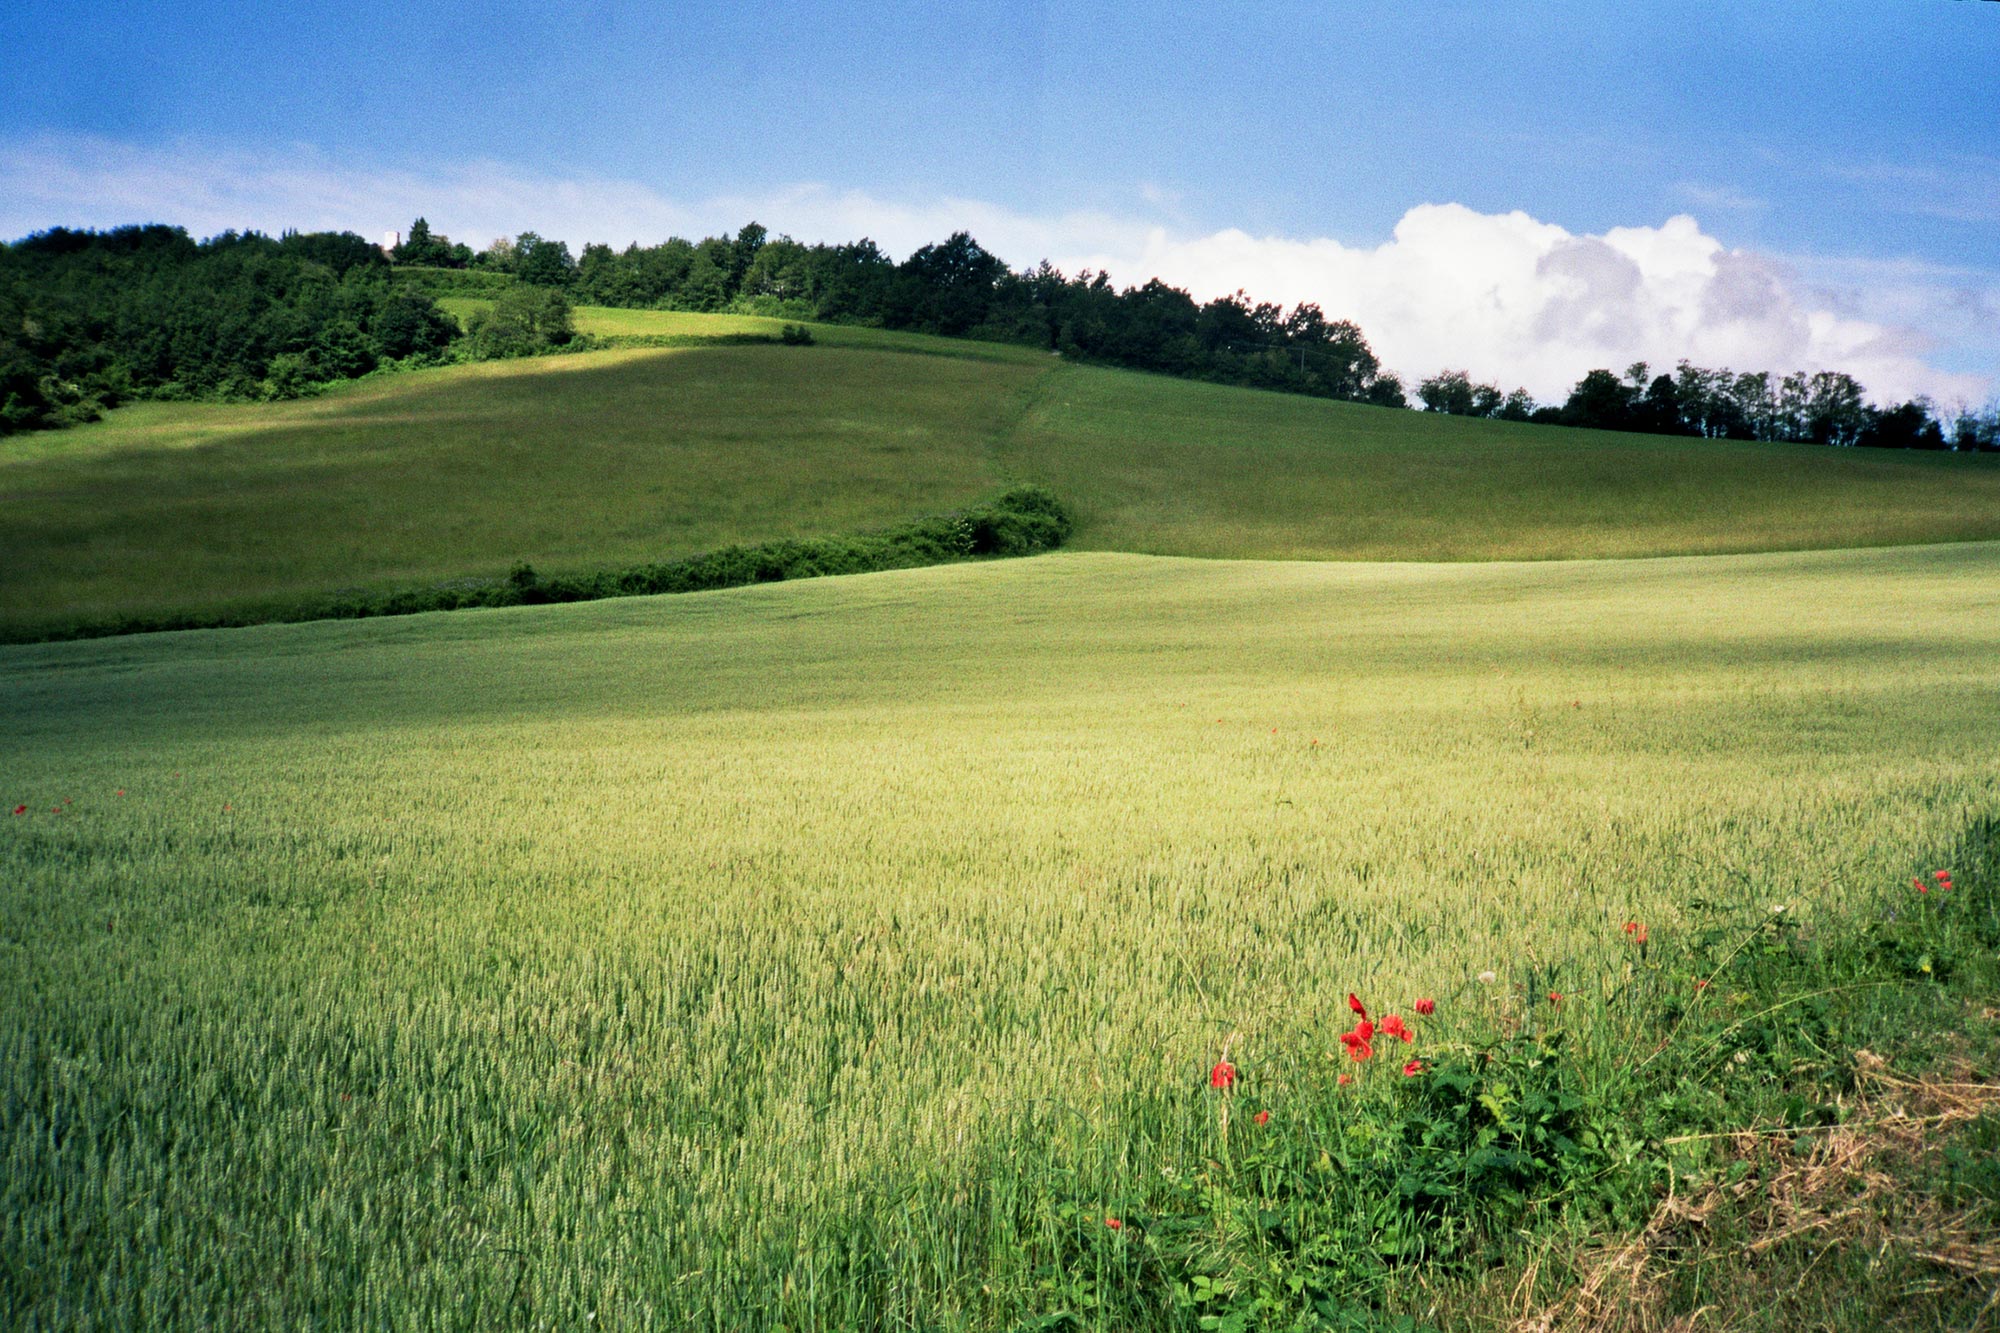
pixel 958 289
pixel 955 288
pixel 1827 407
pixel 89 320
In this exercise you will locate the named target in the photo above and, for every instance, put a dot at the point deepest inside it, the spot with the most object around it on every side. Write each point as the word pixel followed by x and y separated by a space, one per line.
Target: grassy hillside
pixel 618 457
pixel 795 955
pixel 1178 468
pixel 570 463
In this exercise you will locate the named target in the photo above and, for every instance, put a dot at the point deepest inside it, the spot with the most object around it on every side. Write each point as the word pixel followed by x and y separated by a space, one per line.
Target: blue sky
pixel 1852 150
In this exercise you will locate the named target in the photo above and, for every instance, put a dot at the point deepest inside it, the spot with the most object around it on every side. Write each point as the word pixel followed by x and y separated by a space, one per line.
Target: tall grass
pixel 838 954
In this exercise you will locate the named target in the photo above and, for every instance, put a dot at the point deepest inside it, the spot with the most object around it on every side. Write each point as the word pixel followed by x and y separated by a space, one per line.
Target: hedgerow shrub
pixel 1024 521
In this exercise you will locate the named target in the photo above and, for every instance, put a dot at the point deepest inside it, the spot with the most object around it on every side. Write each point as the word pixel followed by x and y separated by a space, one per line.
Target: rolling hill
pixel 596 460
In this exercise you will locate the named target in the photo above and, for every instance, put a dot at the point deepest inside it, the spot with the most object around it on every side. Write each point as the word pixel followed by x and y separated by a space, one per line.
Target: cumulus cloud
pixel 1524 302
pixel 1505 296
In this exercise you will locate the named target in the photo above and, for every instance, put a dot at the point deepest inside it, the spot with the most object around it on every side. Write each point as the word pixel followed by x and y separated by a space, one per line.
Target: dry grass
pixel 1854 1186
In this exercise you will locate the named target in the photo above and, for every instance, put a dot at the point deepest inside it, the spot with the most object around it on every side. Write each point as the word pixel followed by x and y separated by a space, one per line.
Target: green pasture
pixel 617 457
pixel 616 325
pixel 572 463
pixel 779 957
pixel 1173 467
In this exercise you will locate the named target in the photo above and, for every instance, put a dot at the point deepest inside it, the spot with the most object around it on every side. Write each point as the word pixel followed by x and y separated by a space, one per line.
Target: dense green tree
pixel 743 253
pixel 524 321
pixel 542 262
pixel 1835 412
pixel 706 286
pixel 1907 426
pixel 782 271
pixel 1599 401
pixel 1456 393
pixel 499 255
pixel 421 248
pixel 1448 391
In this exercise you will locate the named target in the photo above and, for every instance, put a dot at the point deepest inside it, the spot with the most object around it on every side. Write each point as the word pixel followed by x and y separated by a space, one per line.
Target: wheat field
pixel 809 955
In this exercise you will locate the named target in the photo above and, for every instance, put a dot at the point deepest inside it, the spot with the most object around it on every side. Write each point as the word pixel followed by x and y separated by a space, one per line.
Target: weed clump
pixel 1718 1081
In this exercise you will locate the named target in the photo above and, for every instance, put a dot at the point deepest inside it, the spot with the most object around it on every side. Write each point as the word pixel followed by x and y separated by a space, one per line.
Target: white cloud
pixel 1505 297
pixel 1518 301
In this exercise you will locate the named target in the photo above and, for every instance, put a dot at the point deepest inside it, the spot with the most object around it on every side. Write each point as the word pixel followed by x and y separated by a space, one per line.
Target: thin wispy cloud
pixel 1719 197
pixel 1964 188
pixel 1507 297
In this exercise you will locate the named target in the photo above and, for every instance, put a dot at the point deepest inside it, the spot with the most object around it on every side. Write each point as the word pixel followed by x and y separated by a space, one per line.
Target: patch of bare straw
pixel 1846 1184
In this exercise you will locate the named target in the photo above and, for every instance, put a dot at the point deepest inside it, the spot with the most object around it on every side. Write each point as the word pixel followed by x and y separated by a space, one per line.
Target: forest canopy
pixel 89 320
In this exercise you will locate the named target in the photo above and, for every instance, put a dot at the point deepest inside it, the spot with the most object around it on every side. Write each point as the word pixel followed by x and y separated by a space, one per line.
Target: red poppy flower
pixel 1920 886
pixel 1555 997
pixel 1114 1224
pixel 1393 1025
pixel 1631 927
pixel 1940 874
pixel 1262 1117
pixel 1223 1075
pixel 1346 1079
pixel 1701 985
pixel 1357 1006
pixel 121 791
pixel 1426 1007
pixel 1412 1069
pixel 20 809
